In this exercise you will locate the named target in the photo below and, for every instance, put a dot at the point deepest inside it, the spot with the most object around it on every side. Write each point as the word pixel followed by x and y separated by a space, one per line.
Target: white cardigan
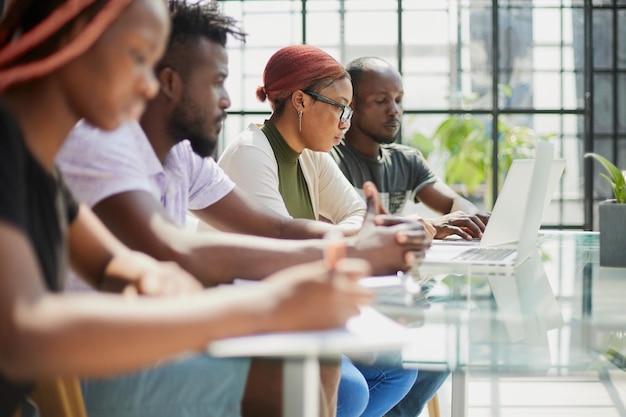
pixel 250 162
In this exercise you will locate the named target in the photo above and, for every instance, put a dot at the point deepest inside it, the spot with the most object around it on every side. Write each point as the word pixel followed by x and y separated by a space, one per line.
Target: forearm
pixel 95 335
pixel 215 257
pixel 461 204
pixel 311 229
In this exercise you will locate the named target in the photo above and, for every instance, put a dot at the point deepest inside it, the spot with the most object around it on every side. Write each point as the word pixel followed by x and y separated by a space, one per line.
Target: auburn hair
pixel 297 67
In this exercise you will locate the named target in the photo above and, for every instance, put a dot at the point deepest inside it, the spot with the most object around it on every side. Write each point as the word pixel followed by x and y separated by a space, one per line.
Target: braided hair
pixel 31 30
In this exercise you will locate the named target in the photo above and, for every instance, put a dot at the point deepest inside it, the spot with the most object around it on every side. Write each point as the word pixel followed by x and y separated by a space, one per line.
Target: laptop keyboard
pixel 484 254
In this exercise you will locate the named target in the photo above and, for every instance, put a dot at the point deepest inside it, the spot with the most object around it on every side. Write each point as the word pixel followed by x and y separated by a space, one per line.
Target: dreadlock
pixel 190 23
pixel 31 30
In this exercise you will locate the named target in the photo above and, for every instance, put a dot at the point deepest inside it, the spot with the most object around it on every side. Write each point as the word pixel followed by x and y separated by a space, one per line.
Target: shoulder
pixel 252 136
pixel 250 141
pixel 86 142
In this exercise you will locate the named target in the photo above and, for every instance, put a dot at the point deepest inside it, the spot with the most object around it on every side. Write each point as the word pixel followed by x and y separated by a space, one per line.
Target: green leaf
pixel 615 177
pixel 423 143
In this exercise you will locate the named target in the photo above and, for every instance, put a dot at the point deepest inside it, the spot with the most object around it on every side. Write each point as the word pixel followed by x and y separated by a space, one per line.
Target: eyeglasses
pixel 346 111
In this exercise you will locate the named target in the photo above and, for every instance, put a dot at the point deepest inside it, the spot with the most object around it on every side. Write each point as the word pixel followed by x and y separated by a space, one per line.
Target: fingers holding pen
pixel 415 239
pixel 316 296
pixel 416 243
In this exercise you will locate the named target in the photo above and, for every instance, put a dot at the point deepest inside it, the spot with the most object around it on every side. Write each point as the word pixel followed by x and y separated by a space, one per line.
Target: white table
pixel 301 351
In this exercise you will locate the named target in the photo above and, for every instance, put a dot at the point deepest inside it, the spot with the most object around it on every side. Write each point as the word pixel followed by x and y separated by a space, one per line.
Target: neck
pixel 289 131
pixel 154 124
pixel 44 117
pixel 363 143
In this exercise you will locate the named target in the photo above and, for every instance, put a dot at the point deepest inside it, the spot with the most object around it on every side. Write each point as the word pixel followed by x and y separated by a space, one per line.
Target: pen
pixel 335 248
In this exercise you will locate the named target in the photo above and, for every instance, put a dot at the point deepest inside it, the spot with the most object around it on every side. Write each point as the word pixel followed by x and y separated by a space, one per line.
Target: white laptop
pixel 511 234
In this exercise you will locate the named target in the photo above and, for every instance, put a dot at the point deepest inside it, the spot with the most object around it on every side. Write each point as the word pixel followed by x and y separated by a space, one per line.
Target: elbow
pixel 19 357
pixel 29 341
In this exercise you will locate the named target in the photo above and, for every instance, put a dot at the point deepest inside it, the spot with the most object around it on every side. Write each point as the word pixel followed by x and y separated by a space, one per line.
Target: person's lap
pixel 205 386
pixel 372 389
pixel 425 388
pixel 198 385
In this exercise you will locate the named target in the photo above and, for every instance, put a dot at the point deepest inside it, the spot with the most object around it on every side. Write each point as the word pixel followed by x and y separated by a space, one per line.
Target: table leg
pixel 459 393
pixel 301 387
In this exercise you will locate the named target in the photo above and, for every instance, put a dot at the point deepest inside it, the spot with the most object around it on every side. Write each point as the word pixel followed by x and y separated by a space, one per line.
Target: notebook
pixel 511 234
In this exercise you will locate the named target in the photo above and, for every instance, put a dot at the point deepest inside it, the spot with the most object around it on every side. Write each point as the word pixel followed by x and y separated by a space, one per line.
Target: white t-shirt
pixel 98 164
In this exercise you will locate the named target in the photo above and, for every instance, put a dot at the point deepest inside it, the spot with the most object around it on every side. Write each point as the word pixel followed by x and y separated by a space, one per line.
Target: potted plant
pixel 467 147
pixel 612 216
pixel 465 142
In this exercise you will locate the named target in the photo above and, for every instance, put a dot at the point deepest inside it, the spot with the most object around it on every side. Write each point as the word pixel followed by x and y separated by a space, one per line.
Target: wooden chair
pixel 433 407
pixel 58 398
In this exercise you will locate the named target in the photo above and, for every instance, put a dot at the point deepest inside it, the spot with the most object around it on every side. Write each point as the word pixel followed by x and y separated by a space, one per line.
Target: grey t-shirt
pixel 399 172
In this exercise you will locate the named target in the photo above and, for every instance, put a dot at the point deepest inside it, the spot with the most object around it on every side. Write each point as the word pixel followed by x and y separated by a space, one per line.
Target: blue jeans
pixel 425 388
pixel 194 386
pixel 370 390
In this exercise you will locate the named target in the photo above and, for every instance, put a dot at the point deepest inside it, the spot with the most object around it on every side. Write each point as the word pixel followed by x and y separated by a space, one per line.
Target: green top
pixel 291 182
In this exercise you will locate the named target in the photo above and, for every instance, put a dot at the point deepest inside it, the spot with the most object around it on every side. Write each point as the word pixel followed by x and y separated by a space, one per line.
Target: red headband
pixel 45 29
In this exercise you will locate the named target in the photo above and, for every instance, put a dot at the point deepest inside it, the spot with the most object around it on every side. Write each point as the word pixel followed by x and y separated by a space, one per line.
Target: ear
pixel 297 100
pixel 170 83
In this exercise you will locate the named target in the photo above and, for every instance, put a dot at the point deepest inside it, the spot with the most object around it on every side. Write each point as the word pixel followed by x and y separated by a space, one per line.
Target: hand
pixel 399 245
pixel 467 226
pixel 143 275
pixel 311 296
pixel 373 198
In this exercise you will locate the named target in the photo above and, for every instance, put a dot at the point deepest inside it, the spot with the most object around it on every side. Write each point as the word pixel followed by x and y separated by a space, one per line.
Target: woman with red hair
pixel 286 165
pixel 61 61
pixel 284 162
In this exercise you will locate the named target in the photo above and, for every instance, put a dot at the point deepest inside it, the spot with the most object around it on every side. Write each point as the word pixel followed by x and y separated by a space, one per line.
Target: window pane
pixel 602 38
pixel 621 104
pixel 603 104
pixel 371 28
pixel 447 63
pixel 621 39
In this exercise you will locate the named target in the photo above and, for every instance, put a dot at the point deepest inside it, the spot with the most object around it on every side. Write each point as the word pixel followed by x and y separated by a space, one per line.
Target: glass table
pixel 558 313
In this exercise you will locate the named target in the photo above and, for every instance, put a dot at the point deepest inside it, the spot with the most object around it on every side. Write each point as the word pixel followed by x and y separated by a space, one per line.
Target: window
pixel 531 85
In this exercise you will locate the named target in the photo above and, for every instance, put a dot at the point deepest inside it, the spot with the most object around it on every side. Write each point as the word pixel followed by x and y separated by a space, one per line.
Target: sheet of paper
pixel 370 331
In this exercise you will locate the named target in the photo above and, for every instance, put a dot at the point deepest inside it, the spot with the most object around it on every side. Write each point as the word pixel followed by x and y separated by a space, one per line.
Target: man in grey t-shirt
pixel 368 153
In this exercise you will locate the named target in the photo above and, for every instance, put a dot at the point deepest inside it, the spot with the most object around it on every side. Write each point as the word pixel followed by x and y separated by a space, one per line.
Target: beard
pixel 180 127
pixel 384 140
pixel 202 146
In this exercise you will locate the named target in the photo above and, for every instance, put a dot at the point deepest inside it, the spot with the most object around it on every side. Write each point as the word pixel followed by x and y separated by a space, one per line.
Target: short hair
pixel 192 22
pixel 297 67
pixel 357 67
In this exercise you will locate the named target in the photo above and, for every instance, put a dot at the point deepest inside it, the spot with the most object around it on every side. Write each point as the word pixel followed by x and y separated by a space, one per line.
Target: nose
pixel 395 109
pixel 225 100
pixel 149 86
pixel 344 126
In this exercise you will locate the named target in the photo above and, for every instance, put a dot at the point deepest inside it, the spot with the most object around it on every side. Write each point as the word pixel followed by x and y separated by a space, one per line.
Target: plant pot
pixel 612 218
